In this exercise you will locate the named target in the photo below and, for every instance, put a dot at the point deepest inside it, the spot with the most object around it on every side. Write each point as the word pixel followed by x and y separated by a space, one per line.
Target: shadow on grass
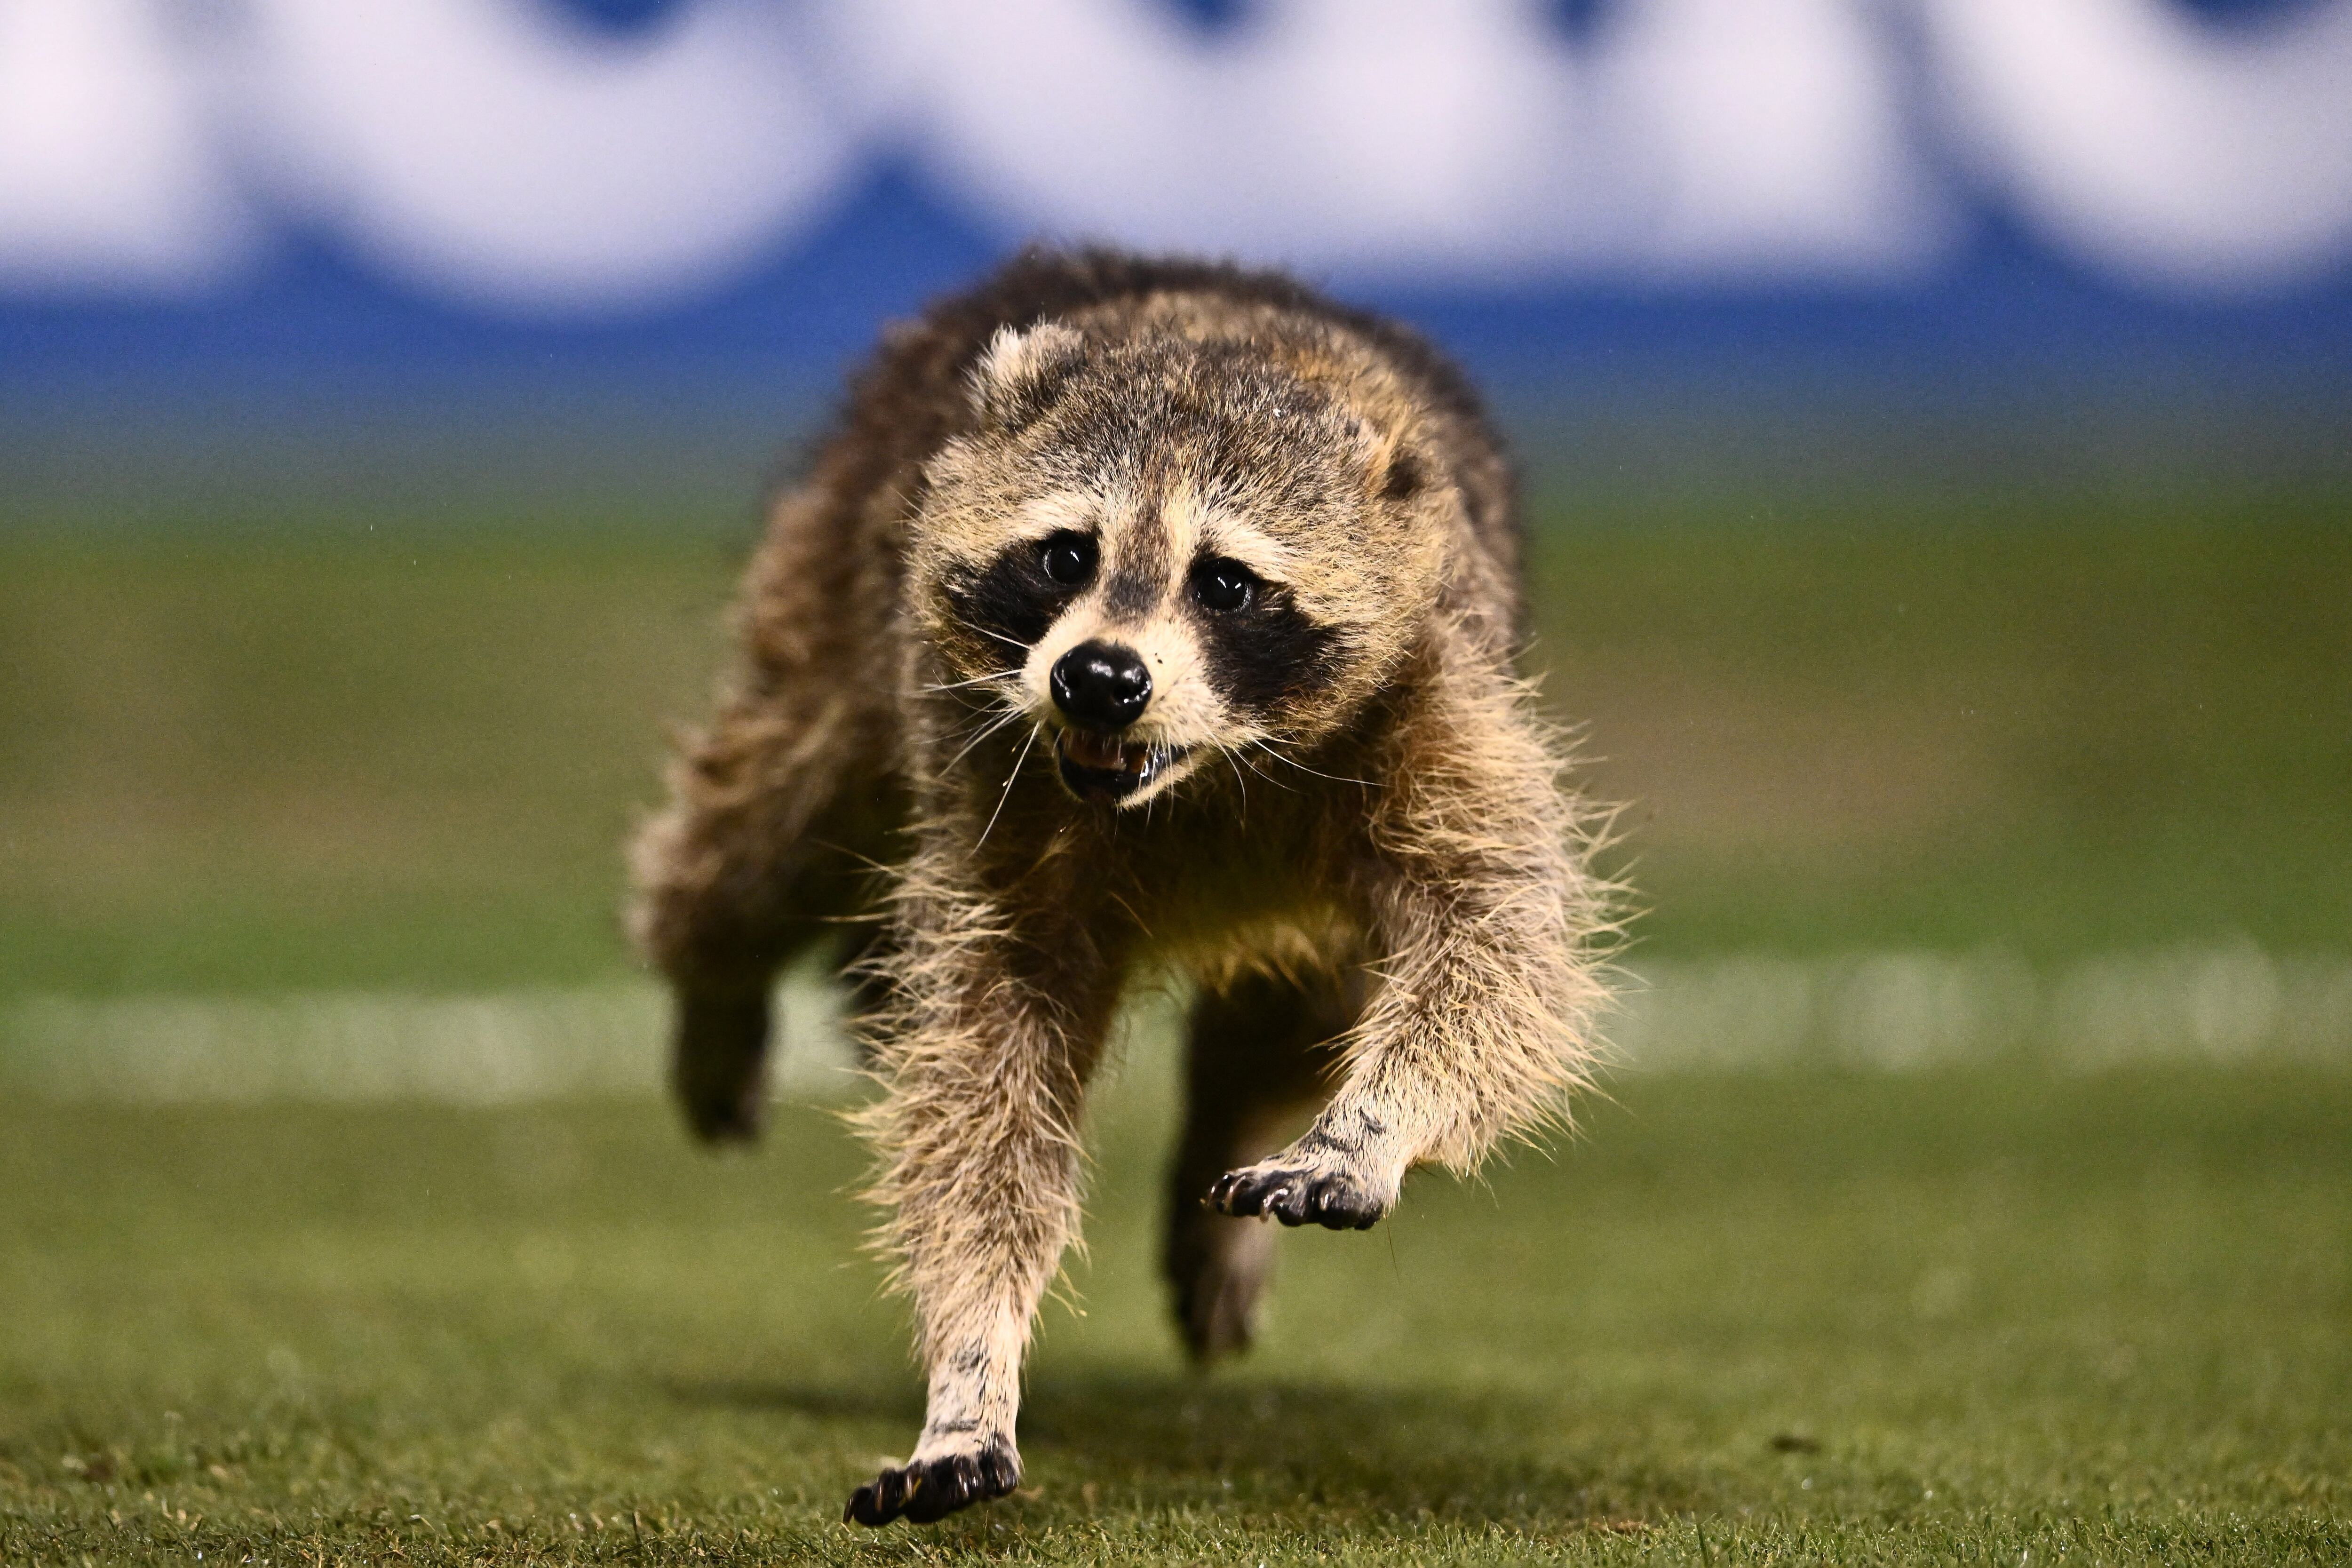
pixel 1144 1442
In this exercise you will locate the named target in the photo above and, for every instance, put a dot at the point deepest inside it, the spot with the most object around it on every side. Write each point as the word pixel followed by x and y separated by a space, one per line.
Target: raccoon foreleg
pixel 1478 896
pixel 987 1062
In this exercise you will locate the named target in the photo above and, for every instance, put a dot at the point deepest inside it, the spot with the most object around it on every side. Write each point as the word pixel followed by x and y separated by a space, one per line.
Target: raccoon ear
pixel 1396 470
pixel 1021 371
pixel 1404 478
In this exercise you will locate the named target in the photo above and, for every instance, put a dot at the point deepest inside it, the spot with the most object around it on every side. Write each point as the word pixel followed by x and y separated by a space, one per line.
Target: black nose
pixel 1101 685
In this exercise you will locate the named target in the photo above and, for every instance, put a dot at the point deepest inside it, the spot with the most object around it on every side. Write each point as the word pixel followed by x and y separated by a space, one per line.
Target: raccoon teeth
pixel 1098 751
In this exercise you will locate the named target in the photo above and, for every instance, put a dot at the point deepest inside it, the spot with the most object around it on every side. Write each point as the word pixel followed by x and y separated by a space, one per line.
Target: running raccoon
pixel 1137 613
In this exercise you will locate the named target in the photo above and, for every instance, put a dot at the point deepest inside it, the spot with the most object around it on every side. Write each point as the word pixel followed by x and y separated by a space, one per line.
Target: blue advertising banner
pixel 258 231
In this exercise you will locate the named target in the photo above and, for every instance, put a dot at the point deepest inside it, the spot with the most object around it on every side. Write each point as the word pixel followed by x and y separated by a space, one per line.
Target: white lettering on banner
pixel 109 178
pixel 1396 136
pixel 2170 151
pixel 490 150
pixel 483 148
pixel 1773 139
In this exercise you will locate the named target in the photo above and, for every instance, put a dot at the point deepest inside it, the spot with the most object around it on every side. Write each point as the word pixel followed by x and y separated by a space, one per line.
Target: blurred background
pixel 1936 416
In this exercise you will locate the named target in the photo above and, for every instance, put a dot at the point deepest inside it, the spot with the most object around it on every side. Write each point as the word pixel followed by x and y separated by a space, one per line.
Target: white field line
pixel 498 1047
pixel 1884 1012
pixel 1900 1011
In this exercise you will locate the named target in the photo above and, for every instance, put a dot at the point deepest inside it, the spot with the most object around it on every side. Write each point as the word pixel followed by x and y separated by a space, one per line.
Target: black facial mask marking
pixel 1014 597
pixel 1266 651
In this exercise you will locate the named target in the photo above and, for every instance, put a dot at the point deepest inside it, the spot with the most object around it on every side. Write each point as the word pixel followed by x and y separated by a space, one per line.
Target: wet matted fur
pixel 1139 615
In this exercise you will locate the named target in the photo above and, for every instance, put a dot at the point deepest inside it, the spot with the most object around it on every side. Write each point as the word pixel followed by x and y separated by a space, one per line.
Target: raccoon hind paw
pixel 718 1066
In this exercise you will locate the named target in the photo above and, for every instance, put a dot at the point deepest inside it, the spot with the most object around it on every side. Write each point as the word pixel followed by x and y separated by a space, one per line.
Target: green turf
pixel 1842 1320
pixel 239 765
pixel 365 758
pixel 2103 1318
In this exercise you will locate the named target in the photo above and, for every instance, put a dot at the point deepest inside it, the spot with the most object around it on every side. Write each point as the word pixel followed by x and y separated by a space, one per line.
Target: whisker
pixel 1228 753
pixel 987 717
pixel 1009 716
pixel 1000 637
pixel 1264 774
pixel 975 681
pixel 1267 745
pixel 1006 793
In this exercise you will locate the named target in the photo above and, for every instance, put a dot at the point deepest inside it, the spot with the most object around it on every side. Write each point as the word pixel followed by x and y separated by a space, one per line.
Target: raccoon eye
pixel 1223 584
pixel 1068 558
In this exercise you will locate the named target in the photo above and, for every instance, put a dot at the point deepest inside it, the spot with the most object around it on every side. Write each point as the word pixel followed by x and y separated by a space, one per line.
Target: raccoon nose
pixel 1101 685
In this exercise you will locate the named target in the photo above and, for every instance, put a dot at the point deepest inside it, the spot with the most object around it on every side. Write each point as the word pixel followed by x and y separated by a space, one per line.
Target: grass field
pixel 1991 1313
pixel 1970 1318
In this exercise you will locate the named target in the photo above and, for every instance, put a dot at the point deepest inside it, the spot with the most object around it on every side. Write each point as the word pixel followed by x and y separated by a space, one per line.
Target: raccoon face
pixel 1156 549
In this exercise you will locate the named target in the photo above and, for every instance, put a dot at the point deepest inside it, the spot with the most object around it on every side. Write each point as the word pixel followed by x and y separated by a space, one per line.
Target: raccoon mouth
pixel 1098 766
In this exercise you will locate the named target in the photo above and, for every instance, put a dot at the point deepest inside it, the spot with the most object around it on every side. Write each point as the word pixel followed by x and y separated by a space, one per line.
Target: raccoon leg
pixel 755 859
pixel 1251 1065
pixel 987 1045
pixel 1476 891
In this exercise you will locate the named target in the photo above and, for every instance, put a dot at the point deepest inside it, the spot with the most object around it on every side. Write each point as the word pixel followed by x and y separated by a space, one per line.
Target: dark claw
pixel 1338 1206
pixel 999 1472
pixel 923 1493
pixel 1234 1194
pixel 1294 1197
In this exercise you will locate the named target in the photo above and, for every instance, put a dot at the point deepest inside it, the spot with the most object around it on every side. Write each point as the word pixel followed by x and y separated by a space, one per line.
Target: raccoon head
pixel 1156 546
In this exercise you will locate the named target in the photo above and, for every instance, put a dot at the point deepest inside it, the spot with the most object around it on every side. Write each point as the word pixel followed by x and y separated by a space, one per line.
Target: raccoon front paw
pixel 1300 1192
pixel 922 1490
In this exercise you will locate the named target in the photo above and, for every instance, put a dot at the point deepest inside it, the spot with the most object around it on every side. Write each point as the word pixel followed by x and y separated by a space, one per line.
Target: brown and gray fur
pixel 1336 809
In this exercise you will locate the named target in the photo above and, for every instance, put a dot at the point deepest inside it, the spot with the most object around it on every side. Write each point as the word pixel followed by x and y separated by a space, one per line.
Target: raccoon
pixel 1140 615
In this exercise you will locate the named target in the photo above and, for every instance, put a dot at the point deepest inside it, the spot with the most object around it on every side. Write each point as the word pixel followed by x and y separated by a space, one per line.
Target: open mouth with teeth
pixel 1102 768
